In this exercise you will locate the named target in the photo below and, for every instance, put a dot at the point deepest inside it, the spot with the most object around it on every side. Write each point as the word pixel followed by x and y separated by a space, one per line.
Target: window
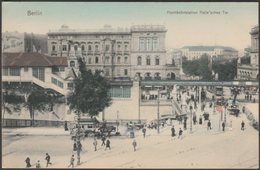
pixel 89 48
pixel 118 60
pixel 14 71
pixel 107 47
pixel 148 60
pixel 64 47
pixel 96 60
pixel 107 72
pixel 5 71
pixel 61 69
pixel 96 47
pixel 157 61
pixel 155 43
pixel 38 73
pixel 76 48
pixel 120 92
pixel 83 48
pixel 118 47
pixel 53 48
pixel 141 44
pixel 72 63
pixel 125 72
pixel 126 60
pixel 126 47
pixel 89 60
pixel 139 60
pixel 107 60
pixel 149 44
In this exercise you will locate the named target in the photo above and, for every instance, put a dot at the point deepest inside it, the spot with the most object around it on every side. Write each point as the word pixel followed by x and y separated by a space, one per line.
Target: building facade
pixel 251 71
pixel 120 53
pixel 215 52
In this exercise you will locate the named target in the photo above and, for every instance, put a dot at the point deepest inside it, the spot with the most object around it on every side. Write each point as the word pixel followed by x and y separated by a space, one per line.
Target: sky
pixel 226 23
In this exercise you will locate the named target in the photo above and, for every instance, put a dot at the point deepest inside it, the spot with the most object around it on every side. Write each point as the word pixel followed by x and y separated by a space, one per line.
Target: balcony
pixel 54 52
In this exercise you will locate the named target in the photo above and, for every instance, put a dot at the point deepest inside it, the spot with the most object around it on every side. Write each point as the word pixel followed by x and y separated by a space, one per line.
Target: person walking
pixel 27 161
pixel 134 144
pixel 103 140
pixel 144 131
pixel 223 126
pixel 72 159
pixel 75 146
pixel 180 133
pixel 38 165
pixel 95 144
pixel 48 159
pixel 243 109
pixel 209 125
pixel 108 144
pixel 243 125
pixel 173 131
pixel 200 120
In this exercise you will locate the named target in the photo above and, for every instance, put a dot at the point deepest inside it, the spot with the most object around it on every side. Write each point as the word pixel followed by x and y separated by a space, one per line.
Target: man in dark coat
pixel 103 140
pixel 223 126
pixel 173 131
pixel 209 125
pixel 144 131
pixel 180 133
pixel 185 124
pixel 200 120
pixel 48 159
pixel 108 144
pixel 27 161
pixel 243 125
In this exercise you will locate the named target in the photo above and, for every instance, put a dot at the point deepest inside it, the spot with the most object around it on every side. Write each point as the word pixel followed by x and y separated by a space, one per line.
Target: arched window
pixel 96 47
pixel 89 60
pixel 148 60
pixel 118 47
pixel 83 48
pixel 75 47
pixel 96 60
pixel 89 48
pixel 139 60
pixel 118 59
pixel 157 76
pixel 157 61
pixel 53 48
pixel 72 63
pixel 126 60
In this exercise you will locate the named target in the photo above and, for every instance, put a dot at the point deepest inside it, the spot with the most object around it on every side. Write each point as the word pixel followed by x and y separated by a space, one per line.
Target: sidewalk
pixel 36 131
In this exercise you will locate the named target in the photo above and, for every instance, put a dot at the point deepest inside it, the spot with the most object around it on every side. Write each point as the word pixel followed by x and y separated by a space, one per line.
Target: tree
pixel 37 100
pixel 90 97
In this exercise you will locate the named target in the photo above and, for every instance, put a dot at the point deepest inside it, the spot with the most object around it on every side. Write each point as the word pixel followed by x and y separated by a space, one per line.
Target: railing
pixel 28 123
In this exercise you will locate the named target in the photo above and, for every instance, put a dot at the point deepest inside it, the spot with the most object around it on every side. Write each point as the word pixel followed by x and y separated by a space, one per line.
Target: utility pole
pixel 78 139
pixel 190 119
pixel 158 113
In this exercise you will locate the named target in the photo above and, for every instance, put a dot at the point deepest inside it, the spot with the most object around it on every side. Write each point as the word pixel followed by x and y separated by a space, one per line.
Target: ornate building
pixel 119 53
pixel 251 71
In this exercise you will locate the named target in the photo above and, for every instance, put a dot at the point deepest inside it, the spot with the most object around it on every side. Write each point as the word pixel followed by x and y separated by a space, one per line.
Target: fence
pixel 28 123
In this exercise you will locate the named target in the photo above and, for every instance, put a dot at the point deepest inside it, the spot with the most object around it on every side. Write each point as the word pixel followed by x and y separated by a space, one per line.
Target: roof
pixel 208 48
pixel 32 60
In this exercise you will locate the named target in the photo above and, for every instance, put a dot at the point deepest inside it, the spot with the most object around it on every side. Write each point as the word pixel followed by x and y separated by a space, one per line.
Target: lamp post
pixel 158 113
pixel 78 138
pixel 190 119
pixel 117 120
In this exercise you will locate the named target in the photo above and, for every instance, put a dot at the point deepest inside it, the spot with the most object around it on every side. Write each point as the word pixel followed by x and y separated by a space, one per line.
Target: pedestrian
pixel 71 161
pixel 209 125
pixel 223 126
pixel 95 144
pixel 134 144
pixel 66 126
pixel 108 144
pixel 185 124
pixel 254 100
pixel 250 97
pixel 243 109
pixel 48 159
pixel 103 140
pixel 75 146
pixel 180 133
pixel 38 165
pixel 200 120
pixel 180 120
pixel 79 146
pixel 144 131
pixel 173 131
pixel 27 161
pixel 194 120
pixel 243 125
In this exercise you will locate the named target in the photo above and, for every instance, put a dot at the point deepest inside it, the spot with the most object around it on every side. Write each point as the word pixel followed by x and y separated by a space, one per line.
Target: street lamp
pixel 78 138
pixel 190 119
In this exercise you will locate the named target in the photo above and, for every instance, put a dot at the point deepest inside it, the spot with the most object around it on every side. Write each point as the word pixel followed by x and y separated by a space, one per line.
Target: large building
pixel 119 53
pixel 251 71
pixel 215 52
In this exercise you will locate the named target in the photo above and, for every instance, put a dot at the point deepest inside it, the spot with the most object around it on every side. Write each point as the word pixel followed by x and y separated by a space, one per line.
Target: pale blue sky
pixel 230 29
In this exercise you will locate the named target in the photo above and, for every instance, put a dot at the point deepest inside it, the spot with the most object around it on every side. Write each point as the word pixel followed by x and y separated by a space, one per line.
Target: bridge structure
pixel 237 83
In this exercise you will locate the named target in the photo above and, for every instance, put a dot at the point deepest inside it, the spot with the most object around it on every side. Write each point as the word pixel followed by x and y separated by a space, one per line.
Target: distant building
pixel 120 53
pixel 14 42
pixel 215 52
pixel 251 71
